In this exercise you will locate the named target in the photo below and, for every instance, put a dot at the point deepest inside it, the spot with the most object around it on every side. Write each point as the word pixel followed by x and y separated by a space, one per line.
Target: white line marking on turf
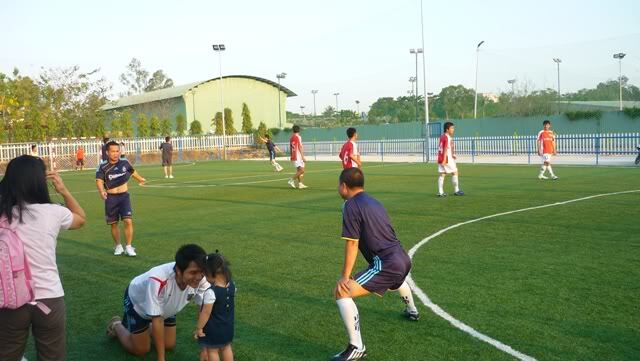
pixel 459 324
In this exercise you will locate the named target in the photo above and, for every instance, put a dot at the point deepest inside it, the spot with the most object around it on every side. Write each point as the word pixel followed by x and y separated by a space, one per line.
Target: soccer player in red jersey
pixel 546 148
pixel 349 153
pixel 447 161
pixel 297 157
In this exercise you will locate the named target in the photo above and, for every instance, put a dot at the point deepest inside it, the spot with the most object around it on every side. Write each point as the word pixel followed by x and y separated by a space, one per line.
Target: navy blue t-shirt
pixel 115 175
pixel 366 220
pixel 270 145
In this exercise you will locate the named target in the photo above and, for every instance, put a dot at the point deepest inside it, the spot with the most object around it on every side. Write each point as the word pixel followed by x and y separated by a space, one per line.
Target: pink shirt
pixel 39 232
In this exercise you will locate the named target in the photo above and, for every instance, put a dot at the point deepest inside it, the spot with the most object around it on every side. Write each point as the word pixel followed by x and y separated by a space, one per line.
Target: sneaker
pixel 442 195
pixel 118 250
pixel 165 177
pixel 279 169
pixel 111 326
pixel 292 183
pixel 171 176
pixel 302 186
pixel 458 193
pixel 351 353
pixel 554 177
pixel 130 251
pixel 541 177
pixel 411 315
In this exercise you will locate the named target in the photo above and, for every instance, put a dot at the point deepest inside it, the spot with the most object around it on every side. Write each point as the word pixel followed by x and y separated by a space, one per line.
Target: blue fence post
pixel 180 156
pixel 382 151
pixel 315 155
pixel 529 151
pixel 473 150
pixel 598 149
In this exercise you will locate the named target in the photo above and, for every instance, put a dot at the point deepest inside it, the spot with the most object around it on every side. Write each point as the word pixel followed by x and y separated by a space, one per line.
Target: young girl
pixel 216 321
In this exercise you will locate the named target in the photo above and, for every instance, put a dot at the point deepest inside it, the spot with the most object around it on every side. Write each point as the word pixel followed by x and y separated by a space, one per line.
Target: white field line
pixel 459 324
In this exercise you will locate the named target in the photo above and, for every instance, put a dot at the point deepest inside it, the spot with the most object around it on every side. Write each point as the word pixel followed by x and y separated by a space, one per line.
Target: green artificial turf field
pixel 556 283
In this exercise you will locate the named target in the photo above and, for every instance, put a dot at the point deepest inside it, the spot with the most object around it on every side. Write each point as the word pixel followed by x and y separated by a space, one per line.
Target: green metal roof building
pixel 201 101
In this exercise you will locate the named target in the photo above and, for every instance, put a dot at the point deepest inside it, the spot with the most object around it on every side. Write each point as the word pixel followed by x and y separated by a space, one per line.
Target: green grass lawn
pixel 559 283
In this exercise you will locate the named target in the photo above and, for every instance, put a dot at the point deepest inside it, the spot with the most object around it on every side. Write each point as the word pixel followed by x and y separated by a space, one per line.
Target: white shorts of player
pixel 546 158
pixel 450 167
pixel 298 163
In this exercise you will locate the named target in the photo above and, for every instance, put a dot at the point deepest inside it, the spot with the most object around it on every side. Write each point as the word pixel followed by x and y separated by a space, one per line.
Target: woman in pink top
pixel 25 203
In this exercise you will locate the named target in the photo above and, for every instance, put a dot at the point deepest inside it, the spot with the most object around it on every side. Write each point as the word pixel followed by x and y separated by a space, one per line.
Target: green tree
pixel 228 122
pixel 165 127
pixel 154 126
pixel 247 126
pixel 262 129
pixel 143 125
pixel 137 79
pixel 181 125
pixel 196 128
pixel 126 124
pixel 216 122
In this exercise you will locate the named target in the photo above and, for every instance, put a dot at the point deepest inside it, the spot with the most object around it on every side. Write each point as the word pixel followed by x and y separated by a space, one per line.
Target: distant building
pixel 201 101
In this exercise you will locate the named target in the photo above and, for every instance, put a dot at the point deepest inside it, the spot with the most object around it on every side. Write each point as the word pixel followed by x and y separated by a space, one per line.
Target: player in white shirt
pixel 152 300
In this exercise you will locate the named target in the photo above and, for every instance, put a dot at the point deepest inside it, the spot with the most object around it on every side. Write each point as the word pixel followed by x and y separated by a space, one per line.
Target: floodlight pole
pixel 416 52
pixel 314 92
pixel 424 84
pixel 620 56
pixel 280 76
pixel 219 48
pixel 475 101
pixel 558 61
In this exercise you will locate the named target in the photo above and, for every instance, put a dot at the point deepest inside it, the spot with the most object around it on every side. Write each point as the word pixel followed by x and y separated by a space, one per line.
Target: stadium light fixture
pixel 219 48
pixel 475 101
pixel 620 56
pixel 416 52
pixel 280 76
pixel 314 92
pixel 336 95
pixel 512 82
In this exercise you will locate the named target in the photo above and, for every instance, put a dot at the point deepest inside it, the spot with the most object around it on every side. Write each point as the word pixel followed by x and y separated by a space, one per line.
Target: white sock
pixel 454 181
pixel 542 170
pixel 550 170
pixel 351 319
pixel 407 296
pixel 440 184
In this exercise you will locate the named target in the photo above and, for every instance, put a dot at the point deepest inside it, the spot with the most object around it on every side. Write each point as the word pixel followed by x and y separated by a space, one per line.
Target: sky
pixel 357 48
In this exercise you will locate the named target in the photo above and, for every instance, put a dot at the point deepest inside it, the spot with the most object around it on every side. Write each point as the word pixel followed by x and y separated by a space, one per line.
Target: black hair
pixel 351 132
pixel 546 122
pixel 24 182
pixel 113 142
pixel 267 136
pixel 218 264
pixel 296 129
pixel 448 125
pixel 34 146
pixel 105 140
pixel 352 177
pixel 190 253
pixel 166 139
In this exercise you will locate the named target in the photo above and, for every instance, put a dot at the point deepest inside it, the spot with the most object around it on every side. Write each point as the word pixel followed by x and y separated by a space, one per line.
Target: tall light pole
pixel 416 52
pixel 280 76
pixel 424 84
pixel 475 101
pixel 314 92
pixel 336 95
pixel 358 107
pixel 302 112
pixel 619 56
pixel 513 89
pixel 558 61
pixel 219 48
pixel 412 80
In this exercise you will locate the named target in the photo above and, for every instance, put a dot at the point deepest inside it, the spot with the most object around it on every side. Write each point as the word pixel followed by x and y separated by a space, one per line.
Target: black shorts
pixel 387 272
pixel 166 162
pixel 135 323
pixel 117 207
pixel 79 161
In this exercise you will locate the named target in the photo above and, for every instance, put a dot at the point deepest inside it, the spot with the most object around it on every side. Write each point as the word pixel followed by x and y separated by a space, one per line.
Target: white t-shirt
pixel 39 233
pixel 156 293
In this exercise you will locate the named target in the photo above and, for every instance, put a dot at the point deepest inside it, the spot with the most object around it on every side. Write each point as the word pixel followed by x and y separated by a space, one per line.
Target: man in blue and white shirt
pixel 111 180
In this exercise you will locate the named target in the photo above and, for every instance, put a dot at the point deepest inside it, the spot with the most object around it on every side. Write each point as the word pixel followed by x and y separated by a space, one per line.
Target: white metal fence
pixel 61 154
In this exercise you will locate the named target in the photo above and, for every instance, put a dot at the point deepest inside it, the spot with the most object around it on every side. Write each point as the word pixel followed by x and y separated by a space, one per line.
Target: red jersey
pixel 546 139
pixel 295 142
pixel 445 149
pixel 348 149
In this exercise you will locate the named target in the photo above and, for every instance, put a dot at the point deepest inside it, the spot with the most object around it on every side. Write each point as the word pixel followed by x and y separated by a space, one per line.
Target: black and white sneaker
pixel 411 315
pixel 351 353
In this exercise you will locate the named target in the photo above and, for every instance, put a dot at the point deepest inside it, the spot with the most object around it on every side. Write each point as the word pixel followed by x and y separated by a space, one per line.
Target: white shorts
pixel 298 163
pixel 450 167
pixel 546 158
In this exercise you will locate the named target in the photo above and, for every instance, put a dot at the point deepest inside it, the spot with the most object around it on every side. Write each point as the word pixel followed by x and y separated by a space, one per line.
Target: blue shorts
pixel 117 207
pixel 387 272
pixel 133 322
pixel 272 154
